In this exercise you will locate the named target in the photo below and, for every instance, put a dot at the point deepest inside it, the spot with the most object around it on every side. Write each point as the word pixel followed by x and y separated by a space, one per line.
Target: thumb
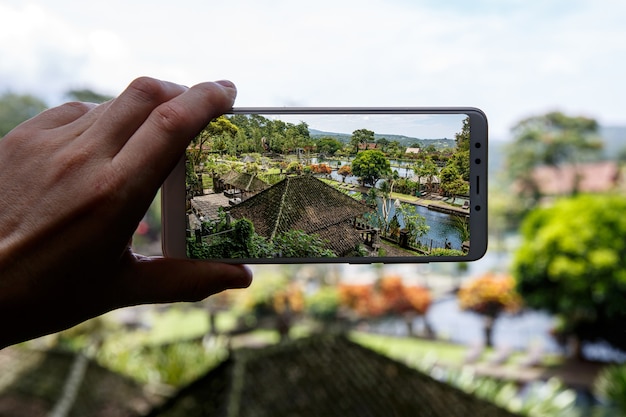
pixel 164 280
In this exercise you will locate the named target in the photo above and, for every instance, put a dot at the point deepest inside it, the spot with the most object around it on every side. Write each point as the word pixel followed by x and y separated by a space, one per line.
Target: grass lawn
pixel 411 349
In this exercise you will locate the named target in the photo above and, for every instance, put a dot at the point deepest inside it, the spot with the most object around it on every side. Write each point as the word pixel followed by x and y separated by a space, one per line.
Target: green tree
pixel 426 169
pixel 361 136
pixel 452 182
pixel 298 244
pixel 328 145
pixel 16 108
pixel 370 166
pixel 553 139
pixel 571 263
pixel 414 222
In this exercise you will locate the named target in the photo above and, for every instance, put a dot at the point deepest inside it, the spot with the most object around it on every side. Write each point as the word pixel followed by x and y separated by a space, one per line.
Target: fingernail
pixel 226 83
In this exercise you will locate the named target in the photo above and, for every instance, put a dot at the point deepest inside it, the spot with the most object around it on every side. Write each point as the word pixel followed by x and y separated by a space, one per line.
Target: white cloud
pixel 511 59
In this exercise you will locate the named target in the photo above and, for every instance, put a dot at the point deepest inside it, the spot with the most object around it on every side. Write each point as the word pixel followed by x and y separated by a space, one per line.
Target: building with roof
pixel 320 376
pixel 308 204
pixel 37 383
pixel 597 177
pixel 240 184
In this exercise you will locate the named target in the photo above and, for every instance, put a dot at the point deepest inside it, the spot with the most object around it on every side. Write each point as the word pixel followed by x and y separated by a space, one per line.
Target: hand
pixel 74 183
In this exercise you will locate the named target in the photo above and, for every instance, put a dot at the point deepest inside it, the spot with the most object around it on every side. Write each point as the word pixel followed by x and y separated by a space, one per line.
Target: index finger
pixel 157 145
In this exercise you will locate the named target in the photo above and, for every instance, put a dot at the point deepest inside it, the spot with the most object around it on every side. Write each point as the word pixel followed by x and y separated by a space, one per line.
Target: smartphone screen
pixel 295 185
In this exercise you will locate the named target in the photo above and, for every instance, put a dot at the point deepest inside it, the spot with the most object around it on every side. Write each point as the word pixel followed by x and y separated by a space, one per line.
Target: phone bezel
pixel 173 189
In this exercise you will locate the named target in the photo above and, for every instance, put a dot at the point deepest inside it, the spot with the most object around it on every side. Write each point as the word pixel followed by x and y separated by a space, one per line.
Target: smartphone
pixel 348 185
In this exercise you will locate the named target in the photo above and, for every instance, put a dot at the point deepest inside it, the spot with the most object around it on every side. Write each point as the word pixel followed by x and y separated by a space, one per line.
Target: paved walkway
pixel 575 374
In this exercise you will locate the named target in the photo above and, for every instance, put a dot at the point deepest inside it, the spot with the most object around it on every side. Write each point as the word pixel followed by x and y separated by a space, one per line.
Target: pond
pixel 441 225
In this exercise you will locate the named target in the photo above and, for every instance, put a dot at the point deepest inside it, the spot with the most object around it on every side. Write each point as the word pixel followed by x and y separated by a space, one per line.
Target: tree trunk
pixel 488 330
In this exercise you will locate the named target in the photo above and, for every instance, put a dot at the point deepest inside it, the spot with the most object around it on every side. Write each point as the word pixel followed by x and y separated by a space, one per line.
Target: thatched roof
pixel 320 376
pixel 32 382
pixel 244 181
pixel 307 204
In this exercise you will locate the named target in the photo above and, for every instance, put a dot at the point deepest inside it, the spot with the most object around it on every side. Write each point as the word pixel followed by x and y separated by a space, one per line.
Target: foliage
pixel 389 296
pixel 87 95
pixel 445 252
pixel 323 304
pixel 328 146
pixel 237 239
pixel 289 298
pixel 541 399
pixel 426 169
pixel 175 364
pixel 461 225
pixel 370 166
pixel 571 263
pixel 345 171
pixel 294 167
pixel 321 169
pixel 452 182
pixel 610 385
pixel 361 136
pixel 414 222
pixel 490 295
pixel 16 108
pixel 298 244
pixel 553 139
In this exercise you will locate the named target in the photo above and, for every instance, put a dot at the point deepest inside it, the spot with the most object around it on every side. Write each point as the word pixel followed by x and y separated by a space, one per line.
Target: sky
pixel 511 58
pixel 419 126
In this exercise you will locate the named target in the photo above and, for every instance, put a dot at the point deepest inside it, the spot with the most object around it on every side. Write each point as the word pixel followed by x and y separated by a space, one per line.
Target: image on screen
pixel 329 186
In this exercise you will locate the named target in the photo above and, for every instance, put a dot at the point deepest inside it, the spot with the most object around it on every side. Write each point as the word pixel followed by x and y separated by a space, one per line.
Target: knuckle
pixel 171 117
pixel 146 89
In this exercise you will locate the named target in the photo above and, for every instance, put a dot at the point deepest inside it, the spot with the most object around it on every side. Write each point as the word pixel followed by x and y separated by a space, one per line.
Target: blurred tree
pixel 610 386
pixel 553 139
pixel 387 297
pixel 489 295
pixel 87 95
pixel 323 305
pixel 16 108
pixel 571 263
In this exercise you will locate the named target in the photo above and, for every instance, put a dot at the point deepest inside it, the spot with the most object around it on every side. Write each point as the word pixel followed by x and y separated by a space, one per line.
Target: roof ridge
pixel 280 209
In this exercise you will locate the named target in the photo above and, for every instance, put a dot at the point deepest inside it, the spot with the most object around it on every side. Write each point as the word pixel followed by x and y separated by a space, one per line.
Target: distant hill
pixel 439 143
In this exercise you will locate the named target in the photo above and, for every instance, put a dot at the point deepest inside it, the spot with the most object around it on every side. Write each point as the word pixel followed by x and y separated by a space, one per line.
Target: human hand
pixel 74 183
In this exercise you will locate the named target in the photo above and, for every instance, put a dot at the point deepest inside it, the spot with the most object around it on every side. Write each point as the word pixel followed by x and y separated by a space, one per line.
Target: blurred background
pixel 536 326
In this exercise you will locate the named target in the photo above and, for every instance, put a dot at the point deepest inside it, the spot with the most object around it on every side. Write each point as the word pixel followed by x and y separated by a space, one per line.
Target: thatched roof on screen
pixel 304 203
pixel 244 181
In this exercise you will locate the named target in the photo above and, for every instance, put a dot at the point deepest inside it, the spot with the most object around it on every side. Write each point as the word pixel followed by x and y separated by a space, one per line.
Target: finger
pixel 126 113
pixel 159 143
pixel 163 280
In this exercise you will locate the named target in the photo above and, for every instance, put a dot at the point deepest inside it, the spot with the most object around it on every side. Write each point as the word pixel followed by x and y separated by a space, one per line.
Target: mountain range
pixel 407 141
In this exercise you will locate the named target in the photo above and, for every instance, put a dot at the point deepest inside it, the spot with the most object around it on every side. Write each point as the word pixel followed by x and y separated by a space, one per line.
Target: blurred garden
pixel 536 327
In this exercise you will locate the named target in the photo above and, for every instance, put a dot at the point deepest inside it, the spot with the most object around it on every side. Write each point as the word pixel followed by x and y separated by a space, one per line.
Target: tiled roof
pixel 307 204
pixel 321 376
pixel 32 382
